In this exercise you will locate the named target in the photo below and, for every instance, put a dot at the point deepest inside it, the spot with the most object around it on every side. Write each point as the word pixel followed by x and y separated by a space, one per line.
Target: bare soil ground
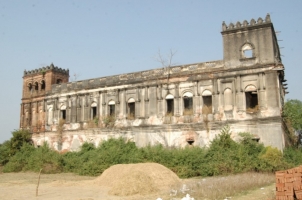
pixel 65 186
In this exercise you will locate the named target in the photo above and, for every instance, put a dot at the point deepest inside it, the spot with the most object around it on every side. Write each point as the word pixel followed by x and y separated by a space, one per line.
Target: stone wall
pixel 179 105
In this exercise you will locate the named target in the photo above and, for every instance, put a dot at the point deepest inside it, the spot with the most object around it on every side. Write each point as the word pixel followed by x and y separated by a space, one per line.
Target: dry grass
pixel 252 110
pixel 225 187
pixel 109 121
pixel 130 116
pixel 141 178
pixel 206 110
pixel 188 112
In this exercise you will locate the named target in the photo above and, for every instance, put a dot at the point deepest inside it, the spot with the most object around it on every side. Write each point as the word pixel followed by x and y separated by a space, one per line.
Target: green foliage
pixel 30 158
pixel 11 147
pixel 109 121
pixel 20 137
pixel 293 156
pixel 271 160
pixel 93 161
pixel 292 112
pixel 223 156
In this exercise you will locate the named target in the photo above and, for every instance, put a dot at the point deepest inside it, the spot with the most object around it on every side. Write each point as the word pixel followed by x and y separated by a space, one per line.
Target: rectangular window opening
pixel 131 110
pixel 112 110
pixel 43 86
pixel 188 105
pixel 170 106
pixel 248 53
pixel 251 101
pixel 207 105
pixel 63 114
pixel 94 113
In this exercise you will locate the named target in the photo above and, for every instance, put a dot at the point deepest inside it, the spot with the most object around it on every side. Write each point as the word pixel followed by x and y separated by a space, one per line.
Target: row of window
pixel 42 84
pixel 251 101
pixel 35 86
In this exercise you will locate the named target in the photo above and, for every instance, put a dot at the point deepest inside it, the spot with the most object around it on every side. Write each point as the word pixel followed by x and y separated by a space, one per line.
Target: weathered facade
pixel 175 106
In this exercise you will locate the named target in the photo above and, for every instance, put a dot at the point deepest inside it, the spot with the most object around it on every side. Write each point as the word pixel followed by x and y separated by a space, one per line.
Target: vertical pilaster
pixel 79 108
pixel 239 94
pixel 117 103
pixel 176 100
pixel 146 114
pixel 104 103
pixel 262 92
pixel 196 105
pixel 137 103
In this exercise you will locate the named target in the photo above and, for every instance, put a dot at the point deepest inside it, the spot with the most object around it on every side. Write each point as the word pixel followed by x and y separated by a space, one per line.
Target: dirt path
pixel 19 186
pixel 263 193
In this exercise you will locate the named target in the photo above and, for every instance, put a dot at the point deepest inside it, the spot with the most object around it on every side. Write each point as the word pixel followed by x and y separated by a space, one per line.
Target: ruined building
pixel 174 106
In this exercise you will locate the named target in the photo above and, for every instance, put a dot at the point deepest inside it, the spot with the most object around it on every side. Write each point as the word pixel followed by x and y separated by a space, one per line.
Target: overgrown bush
pixel 93 161
pixel 223 156
pixel 11 147
pixel 30 158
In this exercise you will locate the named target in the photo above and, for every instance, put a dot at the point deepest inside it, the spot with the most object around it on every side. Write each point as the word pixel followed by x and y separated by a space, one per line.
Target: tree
pixel 165 61
pixel 19 138
pixel 292 112
pixel 11 147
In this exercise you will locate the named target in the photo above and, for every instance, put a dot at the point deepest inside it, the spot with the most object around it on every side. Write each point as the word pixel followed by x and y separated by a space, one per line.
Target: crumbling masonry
pixel 174 106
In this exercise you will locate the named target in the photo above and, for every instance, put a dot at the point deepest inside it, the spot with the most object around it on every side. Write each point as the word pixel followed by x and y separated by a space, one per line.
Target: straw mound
pixel 142 179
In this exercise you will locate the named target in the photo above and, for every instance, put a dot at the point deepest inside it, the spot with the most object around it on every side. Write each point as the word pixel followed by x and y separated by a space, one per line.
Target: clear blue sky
pixel 95 38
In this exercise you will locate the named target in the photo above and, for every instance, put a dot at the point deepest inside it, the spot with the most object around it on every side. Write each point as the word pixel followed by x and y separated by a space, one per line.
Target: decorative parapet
pixel 137 77
pixel 245 23
pixel 45 69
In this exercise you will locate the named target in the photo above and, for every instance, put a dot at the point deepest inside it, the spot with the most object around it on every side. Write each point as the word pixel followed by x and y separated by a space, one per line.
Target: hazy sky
pixel 95 38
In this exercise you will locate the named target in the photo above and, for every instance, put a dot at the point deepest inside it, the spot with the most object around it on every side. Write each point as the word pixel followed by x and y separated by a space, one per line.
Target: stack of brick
pixel 289 184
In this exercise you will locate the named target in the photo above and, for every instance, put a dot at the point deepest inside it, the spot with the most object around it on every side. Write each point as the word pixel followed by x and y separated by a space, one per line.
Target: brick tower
pixel 37 84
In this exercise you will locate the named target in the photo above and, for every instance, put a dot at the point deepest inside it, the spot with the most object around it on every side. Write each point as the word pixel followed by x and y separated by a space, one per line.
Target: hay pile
pixel 142 179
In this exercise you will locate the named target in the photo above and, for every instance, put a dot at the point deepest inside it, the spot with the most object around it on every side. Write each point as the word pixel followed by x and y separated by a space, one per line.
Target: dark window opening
pixel 251 101
pixel 248 53
pixel 170 106
pixel 30 87
pixel 131 110
pixel 112 110
pixel 36 86
pixel 63 114
pixel 94 113
pixel 190 142
pixel 256 139
pixel 43 85
pixel 188 105
pixel 207 105
pixel 190 139
pixel 59 81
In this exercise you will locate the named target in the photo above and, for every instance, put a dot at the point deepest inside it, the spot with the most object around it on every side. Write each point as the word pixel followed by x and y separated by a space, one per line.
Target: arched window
pixel 247 51
pixel 42 85
pixel 36 86
pixel 251 98
pixel 111 105
pixel 59 81
pixel 131 108
pixel 170 104
pixel 207 102
pixel 30 87
pixel 188 103
pixel 228 99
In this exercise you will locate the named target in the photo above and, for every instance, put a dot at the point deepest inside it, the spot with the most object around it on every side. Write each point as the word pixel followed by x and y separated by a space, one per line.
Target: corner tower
pixel 36 85
pixel 250 43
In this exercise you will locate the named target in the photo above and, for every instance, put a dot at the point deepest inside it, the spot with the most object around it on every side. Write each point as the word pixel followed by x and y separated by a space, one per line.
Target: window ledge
pixel 247 59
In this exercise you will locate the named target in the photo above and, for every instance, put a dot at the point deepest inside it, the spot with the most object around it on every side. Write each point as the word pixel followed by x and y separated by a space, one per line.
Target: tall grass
pixel 225 187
